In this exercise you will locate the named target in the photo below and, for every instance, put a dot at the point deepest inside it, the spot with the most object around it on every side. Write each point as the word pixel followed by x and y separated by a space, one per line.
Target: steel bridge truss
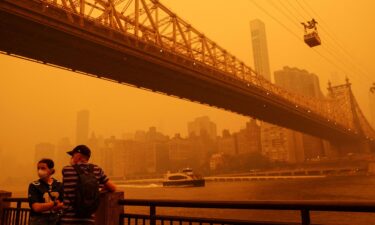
pixel 151 22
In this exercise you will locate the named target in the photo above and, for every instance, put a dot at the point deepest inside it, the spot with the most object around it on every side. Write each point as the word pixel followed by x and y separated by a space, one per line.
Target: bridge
pixel 144 44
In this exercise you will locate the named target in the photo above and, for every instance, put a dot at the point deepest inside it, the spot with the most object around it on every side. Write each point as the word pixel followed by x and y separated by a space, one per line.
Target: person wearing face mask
pixel 45 195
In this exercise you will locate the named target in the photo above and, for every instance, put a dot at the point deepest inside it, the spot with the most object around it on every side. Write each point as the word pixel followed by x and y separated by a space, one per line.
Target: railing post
pixel 4 194
pixel 18 212
pixel 109 210
pixel 152 214
pixel 305 215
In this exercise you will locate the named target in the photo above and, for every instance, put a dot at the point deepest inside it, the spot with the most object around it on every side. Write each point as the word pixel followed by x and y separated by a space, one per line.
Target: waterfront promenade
pixel 280 201
pixel 111 211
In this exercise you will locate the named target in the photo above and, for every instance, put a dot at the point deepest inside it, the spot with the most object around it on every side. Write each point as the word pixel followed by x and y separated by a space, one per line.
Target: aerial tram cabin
pixel 311 36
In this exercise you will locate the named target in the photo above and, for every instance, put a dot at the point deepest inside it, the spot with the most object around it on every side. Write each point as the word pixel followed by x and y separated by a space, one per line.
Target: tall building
pixel 202 126
pixel 272 140
pixel 372 107
pixel 281 144
pixel 304 83
pixel 260 49
pixel 82 130
pixel 247 140
pixel 226 144
pixel 299 81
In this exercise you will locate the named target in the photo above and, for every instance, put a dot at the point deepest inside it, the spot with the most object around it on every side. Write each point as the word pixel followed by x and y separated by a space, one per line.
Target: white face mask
pixel 42 174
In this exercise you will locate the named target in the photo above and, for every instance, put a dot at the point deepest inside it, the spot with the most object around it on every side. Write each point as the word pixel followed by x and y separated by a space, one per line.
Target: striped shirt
pixel 70 180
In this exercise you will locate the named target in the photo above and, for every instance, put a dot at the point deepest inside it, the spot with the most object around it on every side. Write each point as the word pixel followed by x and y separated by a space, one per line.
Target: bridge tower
pixel 343 100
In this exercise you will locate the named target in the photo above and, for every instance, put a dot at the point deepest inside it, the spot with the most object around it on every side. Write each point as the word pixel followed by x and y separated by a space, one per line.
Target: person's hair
pixel 49 162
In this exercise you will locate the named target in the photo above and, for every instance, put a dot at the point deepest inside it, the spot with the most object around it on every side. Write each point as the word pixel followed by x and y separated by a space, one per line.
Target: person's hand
pixel 57 205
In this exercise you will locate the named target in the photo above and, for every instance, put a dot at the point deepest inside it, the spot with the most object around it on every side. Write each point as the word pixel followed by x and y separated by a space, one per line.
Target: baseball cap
pixel 83 149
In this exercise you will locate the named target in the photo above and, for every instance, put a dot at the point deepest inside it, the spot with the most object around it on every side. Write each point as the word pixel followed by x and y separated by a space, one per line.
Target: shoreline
pixel 212 179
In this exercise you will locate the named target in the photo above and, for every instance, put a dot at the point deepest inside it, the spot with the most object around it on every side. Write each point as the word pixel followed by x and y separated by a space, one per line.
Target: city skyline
pixel 54 95
pixel 205 104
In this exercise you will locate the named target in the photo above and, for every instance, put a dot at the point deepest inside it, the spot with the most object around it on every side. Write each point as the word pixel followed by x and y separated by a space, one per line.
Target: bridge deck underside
pixel 134 62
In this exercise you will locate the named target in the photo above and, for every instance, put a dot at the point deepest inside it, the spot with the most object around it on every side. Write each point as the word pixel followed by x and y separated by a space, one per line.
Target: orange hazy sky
pixel 39 103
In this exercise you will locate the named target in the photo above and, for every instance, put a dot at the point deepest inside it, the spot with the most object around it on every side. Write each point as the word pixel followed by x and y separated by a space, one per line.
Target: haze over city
pixel 244 112
pixel 39 103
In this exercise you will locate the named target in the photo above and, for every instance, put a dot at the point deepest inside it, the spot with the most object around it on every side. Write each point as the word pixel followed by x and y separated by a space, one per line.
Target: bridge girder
pixel 154 40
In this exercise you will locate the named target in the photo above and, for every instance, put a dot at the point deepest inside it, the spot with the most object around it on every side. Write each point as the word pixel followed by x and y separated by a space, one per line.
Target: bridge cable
pixel 331 50
pixel 298 37
pixel 337 42
pixel 353 62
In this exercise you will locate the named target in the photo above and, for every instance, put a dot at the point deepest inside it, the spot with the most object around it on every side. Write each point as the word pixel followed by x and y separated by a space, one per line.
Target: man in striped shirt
pixel 80 156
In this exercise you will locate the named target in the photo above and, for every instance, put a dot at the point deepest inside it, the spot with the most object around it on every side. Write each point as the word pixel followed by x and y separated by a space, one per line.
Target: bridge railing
pixel 19 215
pixel 15 215
pixel 304 207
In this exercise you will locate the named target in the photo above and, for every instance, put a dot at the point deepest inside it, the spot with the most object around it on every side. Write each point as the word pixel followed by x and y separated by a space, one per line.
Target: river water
pixel 332 188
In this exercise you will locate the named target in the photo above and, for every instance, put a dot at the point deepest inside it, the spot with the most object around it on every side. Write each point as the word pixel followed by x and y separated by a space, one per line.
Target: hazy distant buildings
pixel 260 49
pixel 202 126
pixel 147 153
pixel 44 150
pixel 247 140
pixel 181 151
pixel 227 144
pixel 282 144
pixel 298 81
pixel 82 130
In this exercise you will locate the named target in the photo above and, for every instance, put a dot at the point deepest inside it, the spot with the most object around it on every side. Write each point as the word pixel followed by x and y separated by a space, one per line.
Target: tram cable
pixel 352 61
pixel 298 37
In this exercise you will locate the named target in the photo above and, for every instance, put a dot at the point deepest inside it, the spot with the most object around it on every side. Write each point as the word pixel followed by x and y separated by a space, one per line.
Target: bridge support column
pixel 4 194
pixel 109 210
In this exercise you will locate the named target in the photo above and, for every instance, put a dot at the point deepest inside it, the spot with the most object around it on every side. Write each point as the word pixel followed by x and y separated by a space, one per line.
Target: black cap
pixel 83 149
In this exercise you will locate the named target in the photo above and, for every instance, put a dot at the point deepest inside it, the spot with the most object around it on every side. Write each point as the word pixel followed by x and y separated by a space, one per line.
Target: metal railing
pixel 15 215
pixel 20 216
pixel 304 207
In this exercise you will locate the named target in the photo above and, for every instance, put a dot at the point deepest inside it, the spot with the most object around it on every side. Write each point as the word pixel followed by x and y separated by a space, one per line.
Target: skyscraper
pixel 299 81
pixel 307 84
pixel 82 131
pixel 260 49
pixel 271 136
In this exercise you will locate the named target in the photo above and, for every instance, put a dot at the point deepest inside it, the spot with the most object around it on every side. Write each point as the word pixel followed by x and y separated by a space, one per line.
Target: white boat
pixel 184 178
